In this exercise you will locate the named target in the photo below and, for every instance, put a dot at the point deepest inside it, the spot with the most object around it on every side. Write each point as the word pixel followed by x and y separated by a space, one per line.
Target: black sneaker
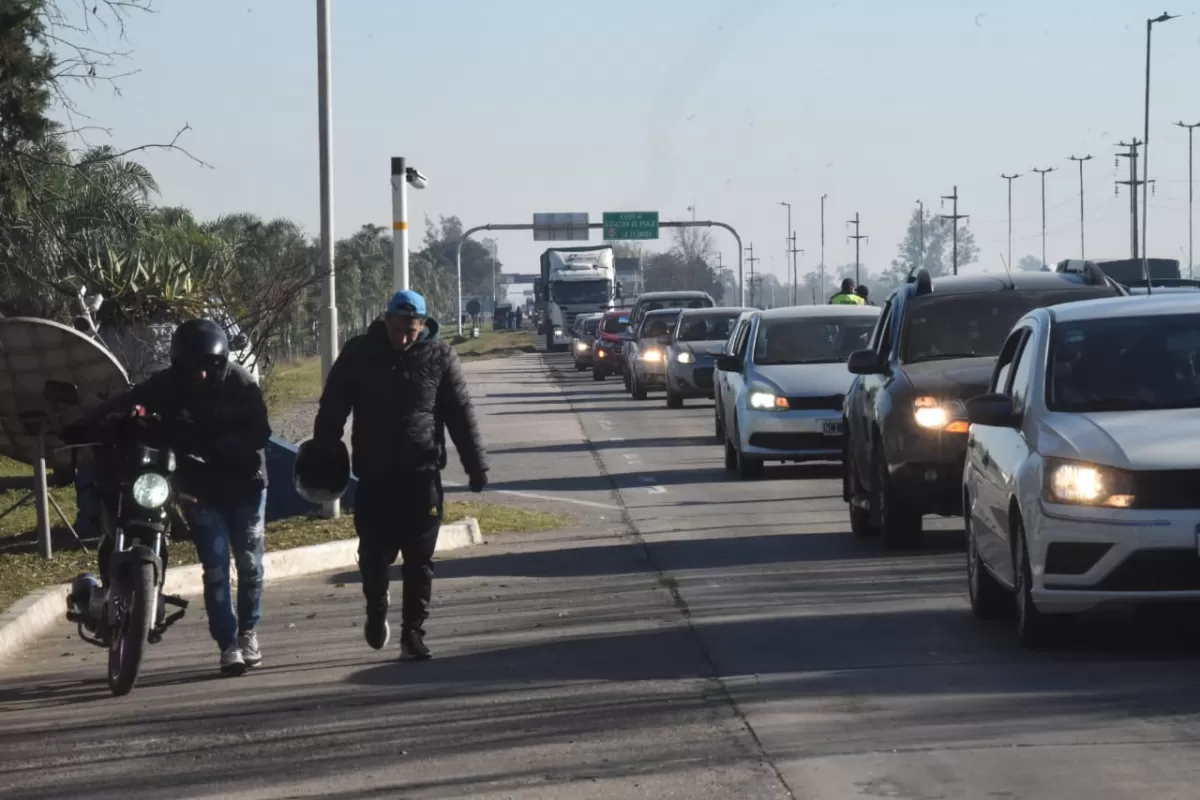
pixel 376 629
pixel 412 647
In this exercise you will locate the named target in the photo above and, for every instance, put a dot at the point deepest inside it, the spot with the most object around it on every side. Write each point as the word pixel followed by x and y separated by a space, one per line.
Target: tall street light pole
pixel 329 322
pixel 1146 149
pixel 1082 249
pixel 402 176
pixel 822 269
pixel 1190 128
pixel 920 235
pixel 1043 172
pixel 787 249
pixel 1010 179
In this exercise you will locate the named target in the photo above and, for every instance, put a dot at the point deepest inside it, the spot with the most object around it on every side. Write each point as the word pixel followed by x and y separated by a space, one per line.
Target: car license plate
pixel 832 427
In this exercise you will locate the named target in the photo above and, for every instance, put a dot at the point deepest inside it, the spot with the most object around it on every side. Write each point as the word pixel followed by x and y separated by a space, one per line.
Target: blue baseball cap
pixel 407 303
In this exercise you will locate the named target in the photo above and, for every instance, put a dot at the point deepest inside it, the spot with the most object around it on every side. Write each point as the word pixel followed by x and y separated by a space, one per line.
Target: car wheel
pixel 625 379
pixel 717 427
pixel 860 518
pixel 580 367
pixel 989 599
pixel 639 391
pixel 1033 627
pixel 597 375
pixel 748 469
pixel 731 457
pixel 899 523
pixel 674 400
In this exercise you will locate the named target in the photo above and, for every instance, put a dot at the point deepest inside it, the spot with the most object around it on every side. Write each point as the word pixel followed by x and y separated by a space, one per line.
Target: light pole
pixel 1082 249
pixel 787 249
pixel 402 176
pixel 1010 179
pixel 1163 17
pixel 1042 172
pixel 822 267
pixel 1190 128
pixel 328 319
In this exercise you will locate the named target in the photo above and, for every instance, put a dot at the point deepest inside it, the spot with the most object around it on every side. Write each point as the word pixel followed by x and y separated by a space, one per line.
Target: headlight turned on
pixel 766 401
pixel 581 346
pixel 684 358
pixel 151 490
pixel 1079 484
pixel 934 415
pixel 652 355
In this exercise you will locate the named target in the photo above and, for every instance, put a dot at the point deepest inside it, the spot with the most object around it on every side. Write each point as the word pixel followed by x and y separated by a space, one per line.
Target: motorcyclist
pixel 402 384
pixel 212 409
pixel 847 296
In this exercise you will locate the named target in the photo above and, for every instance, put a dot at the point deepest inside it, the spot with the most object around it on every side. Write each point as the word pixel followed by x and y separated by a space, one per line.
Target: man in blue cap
pixel 402 384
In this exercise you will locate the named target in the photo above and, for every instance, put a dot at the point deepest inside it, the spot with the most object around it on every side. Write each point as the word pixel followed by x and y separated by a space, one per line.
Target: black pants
pixel 399 516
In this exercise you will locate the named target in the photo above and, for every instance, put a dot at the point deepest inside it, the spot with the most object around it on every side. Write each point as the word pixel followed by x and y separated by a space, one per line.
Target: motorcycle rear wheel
pixel 136 606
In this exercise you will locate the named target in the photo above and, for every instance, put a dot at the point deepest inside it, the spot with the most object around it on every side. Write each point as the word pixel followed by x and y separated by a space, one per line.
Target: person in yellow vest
pixel 847 296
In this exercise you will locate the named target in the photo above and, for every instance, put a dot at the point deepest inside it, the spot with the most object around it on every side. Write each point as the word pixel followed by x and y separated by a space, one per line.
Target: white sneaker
pixel 248 643
pixel 232 662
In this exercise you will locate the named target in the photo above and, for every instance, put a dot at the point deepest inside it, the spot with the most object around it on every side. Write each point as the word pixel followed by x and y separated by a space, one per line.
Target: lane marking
pixel 656 489
pixel 533 496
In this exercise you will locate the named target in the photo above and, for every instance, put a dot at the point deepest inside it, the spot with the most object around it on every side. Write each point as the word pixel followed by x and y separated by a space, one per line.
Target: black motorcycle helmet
pixel 200 351
pixel 321 473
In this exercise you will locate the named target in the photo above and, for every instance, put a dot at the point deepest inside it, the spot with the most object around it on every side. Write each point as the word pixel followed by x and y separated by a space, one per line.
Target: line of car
pixel 1055 412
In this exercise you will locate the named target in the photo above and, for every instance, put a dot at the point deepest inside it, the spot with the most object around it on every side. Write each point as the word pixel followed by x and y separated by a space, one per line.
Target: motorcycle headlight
pixel 1078 484
pixel 151 490
pixel 935 415
pixel 685 358
pixel 766 401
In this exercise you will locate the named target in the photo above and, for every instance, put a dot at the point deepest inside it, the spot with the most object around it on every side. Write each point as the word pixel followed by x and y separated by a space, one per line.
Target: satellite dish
pixel 34 352
pixel 473 307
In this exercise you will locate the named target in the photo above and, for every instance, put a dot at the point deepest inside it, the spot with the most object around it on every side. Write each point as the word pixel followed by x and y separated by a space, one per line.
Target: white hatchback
pixel 1081 488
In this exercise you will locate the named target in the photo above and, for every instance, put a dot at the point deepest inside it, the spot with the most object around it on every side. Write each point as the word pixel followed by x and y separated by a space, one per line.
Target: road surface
pixel 689 636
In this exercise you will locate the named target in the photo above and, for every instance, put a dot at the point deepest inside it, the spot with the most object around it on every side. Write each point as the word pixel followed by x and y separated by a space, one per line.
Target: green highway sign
pixel 630 224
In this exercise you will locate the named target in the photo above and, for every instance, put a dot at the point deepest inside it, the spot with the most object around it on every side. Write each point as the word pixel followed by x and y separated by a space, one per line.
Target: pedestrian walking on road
pixel 847 296
pixel 402 384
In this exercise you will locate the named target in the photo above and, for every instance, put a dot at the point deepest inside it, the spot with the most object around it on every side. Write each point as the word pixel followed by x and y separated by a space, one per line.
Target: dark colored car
pixel 649 346
pixel 608 346
pixel 935 346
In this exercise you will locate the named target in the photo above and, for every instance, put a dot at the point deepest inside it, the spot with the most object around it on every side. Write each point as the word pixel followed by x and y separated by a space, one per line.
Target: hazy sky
pixel 520 106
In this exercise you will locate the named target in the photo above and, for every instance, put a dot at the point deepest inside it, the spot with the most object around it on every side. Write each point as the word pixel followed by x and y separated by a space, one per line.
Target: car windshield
pixel 589 327
pixel 580 292
pixel 667 302
pixel 658 326
pixel 707 327
pixel 974 325
pixel 1125 364
pixel 615 324
pixel 811 340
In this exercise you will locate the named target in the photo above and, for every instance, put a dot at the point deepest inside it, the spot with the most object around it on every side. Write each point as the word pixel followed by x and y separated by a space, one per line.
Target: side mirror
pixel 993 410
pixel 729 363
pixel 627 335
pixel 865 362
pixel 716 350
pixel 239 342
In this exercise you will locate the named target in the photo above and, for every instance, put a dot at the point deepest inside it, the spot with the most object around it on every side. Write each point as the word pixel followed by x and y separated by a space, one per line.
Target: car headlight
pixel 684 358
pixel 558 331
pixel 766 401
pixel 581 346
pixel 601 353
pixel 151 490
pixel 935 415
pixel 652 355
pixel 1081 484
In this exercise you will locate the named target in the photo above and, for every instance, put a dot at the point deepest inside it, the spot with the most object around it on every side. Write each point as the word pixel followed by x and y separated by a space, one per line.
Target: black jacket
pixel 227 427
pixel 400 400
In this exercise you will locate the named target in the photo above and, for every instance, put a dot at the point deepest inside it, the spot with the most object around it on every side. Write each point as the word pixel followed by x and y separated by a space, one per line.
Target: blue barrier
pixel 282 498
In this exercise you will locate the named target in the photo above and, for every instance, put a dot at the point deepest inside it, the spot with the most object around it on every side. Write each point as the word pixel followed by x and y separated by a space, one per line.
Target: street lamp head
pixel 415 178
pixel 1164 17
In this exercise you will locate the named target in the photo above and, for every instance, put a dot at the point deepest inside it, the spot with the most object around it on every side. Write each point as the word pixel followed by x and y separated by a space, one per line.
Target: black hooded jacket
pixel 400 400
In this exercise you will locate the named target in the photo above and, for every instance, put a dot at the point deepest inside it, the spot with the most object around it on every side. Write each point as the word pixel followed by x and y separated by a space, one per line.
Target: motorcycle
pixel 126 608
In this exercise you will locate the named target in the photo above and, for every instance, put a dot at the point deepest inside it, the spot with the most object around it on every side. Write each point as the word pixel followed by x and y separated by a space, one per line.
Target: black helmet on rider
pixel 200 351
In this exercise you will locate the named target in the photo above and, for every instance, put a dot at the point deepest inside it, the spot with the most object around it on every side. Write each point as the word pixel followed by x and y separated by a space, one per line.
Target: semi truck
pixel 575 280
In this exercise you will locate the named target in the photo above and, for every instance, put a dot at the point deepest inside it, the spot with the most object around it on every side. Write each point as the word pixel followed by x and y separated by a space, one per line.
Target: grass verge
pixel 23 571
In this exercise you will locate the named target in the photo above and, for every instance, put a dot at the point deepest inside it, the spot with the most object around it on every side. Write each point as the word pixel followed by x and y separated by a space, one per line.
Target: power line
pixel 954 218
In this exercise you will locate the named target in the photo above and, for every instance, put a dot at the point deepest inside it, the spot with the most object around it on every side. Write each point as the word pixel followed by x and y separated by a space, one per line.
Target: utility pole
pixel 857 237
pixel 1082 249
pixel 1010 179
pixel 1043 172
pixel 822 267
pixel 753 260
pixel 954 217
pixel 920 234
pixel 329 320
pixel 788 245
pixel 1133 183
pixel 1146 151
pixel 1190 128
pixel 795 270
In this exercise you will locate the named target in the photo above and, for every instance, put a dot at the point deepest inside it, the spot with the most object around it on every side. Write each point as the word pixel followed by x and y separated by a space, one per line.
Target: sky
pixel 731 106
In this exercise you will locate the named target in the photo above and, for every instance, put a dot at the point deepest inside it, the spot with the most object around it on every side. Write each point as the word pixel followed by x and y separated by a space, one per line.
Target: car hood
pixel 798 380
pixel 1159 439
pixel 699 349
pixel 955 379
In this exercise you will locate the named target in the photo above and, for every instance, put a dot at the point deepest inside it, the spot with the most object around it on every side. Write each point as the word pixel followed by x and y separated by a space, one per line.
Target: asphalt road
pixel 690 635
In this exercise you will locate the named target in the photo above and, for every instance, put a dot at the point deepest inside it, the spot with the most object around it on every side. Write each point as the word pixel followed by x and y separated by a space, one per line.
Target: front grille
pixel 819 402
pixel 1167 489
pixel 1163 570
pixel 795 441
pixel 703 377
pixel 616 348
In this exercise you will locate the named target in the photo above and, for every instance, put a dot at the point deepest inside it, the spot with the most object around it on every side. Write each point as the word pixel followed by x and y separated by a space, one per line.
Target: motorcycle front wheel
pixel 135 601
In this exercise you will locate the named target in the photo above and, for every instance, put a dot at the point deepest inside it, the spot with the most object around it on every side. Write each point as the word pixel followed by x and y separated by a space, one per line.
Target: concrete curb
pixel 33 614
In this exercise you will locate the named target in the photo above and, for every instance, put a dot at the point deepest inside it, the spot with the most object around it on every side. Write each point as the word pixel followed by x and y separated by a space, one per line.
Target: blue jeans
pixel 217 531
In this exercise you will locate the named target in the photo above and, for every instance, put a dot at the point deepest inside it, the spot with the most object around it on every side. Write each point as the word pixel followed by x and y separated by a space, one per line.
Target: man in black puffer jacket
pixel 402 385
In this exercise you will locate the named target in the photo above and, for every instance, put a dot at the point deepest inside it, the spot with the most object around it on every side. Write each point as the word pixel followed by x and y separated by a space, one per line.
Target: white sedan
pixel 1081 487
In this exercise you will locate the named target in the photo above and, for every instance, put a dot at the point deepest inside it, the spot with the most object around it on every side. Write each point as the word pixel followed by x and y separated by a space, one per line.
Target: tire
pixel 1033 627
pixel 718 428
pixel 128 643
pixel 860 518
pixel 549 342
pixel 625 378
pixel 638 391
pixel 597 375
pixel 989 599
pixel 731 460
pixel 748 469
pixel 580 367
pixel 674 400
pixel 899 523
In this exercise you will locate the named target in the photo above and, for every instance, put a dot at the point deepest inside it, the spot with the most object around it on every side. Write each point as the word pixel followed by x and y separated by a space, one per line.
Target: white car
pixel 783 385
pixel 1081 487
